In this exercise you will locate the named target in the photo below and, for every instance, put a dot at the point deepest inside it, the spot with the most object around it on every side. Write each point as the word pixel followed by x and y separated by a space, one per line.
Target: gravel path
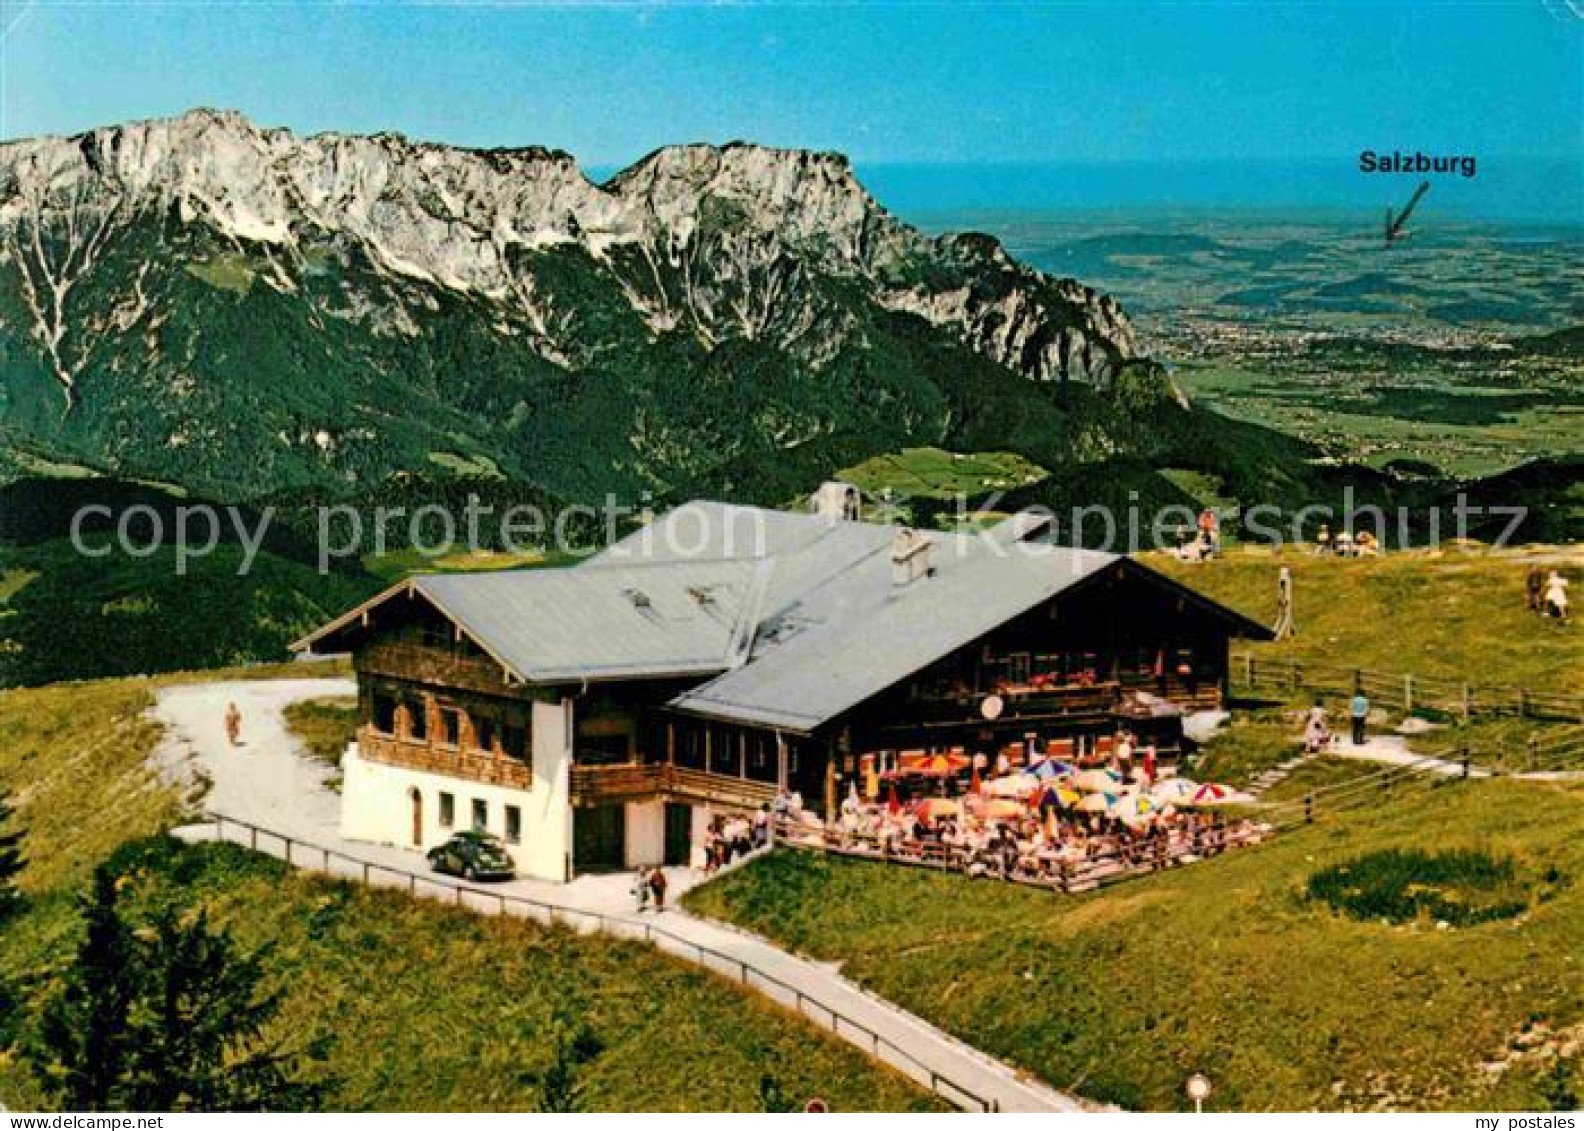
pixel 269 783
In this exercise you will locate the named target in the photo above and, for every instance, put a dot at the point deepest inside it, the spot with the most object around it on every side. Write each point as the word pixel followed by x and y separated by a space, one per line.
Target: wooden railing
pixel 455 762
pixel 1406 692
pixel 597 785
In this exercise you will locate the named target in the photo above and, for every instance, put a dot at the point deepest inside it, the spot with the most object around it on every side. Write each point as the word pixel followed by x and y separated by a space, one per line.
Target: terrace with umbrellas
pixel 1069 814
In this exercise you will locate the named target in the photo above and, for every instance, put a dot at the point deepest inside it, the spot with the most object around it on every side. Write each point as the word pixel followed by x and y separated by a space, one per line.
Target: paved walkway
pixel 267 782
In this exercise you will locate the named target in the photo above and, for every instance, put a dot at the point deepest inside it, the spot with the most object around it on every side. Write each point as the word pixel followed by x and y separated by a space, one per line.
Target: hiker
pixel 1210 531
pixel 233 724
pixel 1359 710
pixel 640 889
pixel 1323 539
pixel 1534 584
pixel 657 887
pixel 1556 598
pixel 1284 605
pixel 1317 732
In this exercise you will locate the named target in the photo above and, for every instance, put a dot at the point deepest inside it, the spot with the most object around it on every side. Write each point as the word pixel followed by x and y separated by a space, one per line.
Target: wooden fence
pixel 1405 692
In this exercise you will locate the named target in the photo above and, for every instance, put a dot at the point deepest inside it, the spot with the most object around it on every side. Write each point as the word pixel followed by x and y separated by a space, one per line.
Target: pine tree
pixel 202 1029
pixel 167 1019
pixel 85 1032
pixel 12 862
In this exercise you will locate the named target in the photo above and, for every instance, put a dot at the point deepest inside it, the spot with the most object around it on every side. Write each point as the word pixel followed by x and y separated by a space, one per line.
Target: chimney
pixel 910 558
pixel 836 501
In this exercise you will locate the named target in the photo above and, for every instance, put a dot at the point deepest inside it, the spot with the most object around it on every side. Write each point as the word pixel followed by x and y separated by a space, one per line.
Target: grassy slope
pixel 1455 615
pixel 1450 615
pixel 430 1007
pixel 324 726
pixel 1221 967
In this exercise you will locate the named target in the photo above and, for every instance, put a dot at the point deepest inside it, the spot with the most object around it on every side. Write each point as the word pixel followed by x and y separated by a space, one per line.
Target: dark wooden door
pixel 678 835
pixel 417 818
pixel 599 837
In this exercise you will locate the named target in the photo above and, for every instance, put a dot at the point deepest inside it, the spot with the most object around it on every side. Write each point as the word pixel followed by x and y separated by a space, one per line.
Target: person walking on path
pixel 640 889
pixel 657 888
pixel 1534 583
pixel 1359 710
pixel 233 724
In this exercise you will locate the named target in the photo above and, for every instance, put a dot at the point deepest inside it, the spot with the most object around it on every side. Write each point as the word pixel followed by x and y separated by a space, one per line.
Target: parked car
pixel 473 856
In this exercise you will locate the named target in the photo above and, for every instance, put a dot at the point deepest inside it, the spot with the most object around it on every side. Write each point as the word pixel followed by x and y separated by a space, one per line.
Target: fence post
pixel 1464 751
pixel 365 874
pixel 253 837
pixel 1358 680
pixel 1293 675
pixel 326 861
pixel 1308 808
pixel 287 839
pixel 1521 704
pixel 1468 701
pixel 1408 694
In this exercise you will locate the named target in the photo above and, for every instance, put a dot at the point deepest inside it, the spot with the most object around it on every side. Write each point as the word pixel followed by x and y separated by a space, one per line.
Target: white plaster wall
pixel 376 804
pixel 551 812
pixel 645 833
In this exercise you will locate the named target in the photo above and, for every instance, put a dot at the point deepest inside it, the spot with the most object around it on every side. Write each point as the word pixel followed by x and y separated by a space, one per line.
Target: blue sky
pixel 885 81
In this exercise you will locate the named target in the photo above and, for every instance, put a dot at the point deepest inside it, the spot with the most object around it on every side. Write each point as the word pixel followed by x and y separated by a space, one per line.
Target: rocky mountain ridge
pixel 719 243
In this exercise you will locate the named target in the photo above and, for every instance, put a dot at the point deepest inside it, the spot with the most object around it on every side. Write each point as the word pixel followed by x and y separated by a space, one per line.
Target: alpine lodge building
pixel 597 717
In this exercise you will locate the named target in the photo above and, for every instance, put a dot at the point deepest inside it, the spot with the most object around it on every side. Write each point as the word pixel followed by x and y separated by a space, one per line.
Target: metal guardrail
pixel 304 854
pixel 1405 691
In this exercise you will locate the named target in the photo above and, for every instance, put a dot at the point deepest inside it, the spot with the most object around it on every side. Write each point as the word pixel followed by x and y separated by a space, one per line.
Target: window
pixel 514 741
pixel 450 726
pixel 480 815
pixel 384 713
pixel 484 733
pixel 447 810
pixel 513 825
pixel 417 720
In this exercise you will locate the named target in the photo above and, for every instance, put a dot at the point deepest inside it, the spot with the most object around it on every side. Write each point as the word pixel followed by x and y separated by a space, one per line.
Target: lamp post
pixel 1198 1089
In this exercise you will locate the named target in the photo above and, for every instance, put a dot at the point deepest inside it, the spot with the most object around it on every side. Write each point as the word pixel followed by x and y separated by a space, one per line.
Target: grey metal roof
pixel 855 633
pixel 604 621
pixel 792 619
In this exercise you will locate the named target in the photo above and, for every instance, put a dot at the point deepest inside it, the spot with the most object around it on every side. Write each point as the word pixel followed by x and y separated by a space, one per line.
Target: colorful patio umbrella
pixel 1135 808
pixel 1002 809
pixel 933 808
pixel 1210 794
pixel 893 806
pixel 1174 791
pixel 1097 802
pixel 1013 785
pixel 1054 796
pixel 1097 781
pixel 934 765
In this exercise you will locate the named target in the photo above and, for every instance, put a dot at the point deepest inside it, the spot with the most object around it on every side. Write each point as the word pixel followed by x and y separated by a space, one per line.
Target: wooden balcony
pixel 1201 696
pixel 433 666
pixel 608 785
pixel 448 761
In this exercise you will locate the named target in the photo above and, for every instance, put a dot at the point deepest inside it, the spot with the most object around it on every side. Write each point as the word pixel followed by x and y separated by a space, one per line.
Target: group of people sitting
pixel 1206 540
pixel 1074 830
pixel 1346 544
pixel 1547 593
pixel 1072 854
